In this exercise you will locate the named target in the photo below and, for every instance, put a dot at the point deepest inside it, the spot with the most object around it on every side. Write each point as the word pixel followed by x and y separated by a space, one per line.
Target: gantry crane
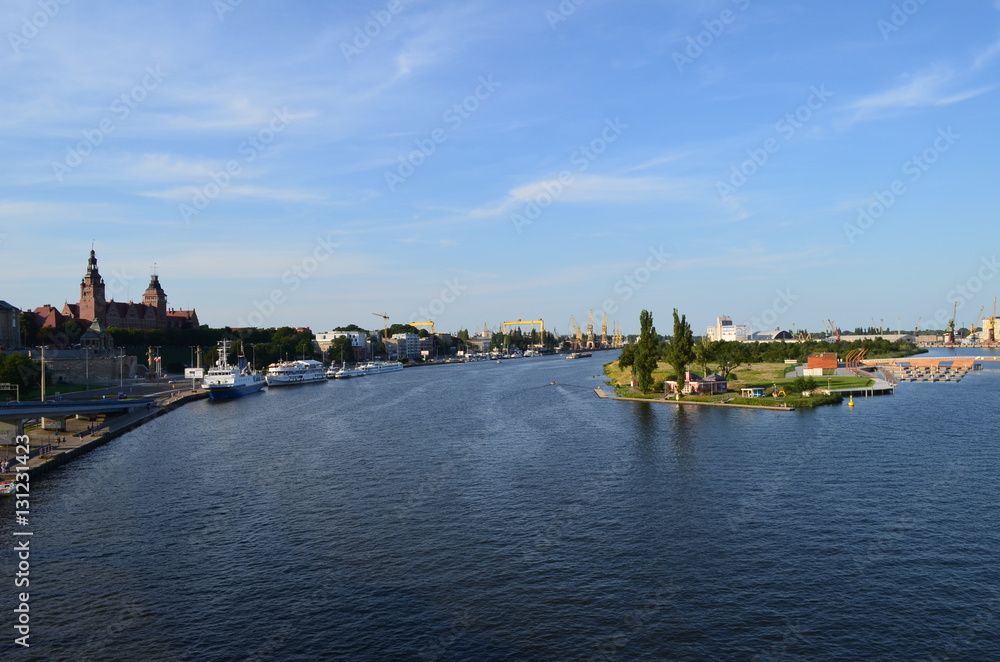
pixel 617 340
pixel 590 330
pixel 604 332
pixel 520 322
pixel 429 323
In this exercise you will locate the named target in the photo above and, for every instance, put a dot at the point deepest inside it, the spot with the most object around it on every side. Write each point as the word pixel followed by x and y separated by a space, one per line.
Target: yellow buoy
pixel 850 403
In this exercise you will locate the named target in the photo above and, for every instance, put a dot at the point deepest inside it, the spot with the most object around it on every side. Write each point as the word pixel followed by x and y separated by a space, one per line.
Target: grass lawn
pixel 821 383
pixel 770 372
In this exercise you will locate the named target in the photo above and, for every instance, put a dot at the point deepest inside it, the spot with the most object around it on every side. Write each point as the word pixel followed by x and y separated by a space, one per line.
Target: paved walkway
pixel 80 436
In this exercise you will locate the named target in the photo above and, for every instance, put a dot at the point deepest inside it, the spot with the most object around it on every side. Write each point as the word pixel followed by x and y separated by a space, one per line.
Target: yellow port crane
pixel 604 331
pixel 590 330
pixel 531 323
pixel 617 340
pixel 429 323
pixel 991 334
pixel 577 338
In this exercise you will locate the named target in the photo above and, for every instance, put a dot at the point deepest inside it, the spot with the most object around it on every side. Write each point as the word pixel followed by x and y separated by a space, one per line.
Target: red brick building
pixel 152 313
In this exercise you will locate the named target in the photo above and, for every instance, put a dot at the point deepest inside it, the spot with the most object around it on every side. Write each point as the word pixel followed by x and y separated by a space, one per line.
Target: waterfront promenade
pixel 51 448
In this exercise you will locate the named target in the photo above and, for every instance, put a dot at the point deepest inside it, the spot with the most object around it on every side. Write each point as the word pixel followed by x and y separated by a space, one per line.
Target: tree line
pixel 725 357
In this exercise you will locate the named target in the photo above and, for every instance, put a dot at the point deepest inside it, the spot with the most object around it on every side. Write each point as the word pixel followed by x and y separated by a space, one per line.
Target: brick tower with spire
pixel 92 304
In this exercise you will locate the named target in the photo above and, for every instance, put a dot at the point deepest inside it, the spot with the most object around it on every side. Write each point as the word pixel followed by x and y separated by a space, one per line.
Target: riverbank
pixel 53 449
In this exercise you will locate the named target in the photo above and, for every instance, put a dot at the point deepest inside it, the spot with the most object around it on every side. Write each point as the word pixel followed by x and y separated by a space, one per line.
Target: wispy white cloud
pixel 987 54
pixel 184 194
pixel 940 85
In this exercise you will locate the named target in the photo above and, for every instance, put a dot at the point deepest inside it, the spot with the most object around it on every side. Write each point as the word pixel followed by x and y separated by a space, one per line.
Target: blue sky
pixel 310 163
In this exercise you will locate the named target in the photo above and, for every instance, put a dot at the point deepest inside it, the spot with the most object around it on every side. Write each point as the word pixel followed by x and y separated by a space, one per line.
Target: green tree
pixel 705 353
pixel 680 350
pixel 341 350
pixel 731 355
pixel 647 352
pixel 627 358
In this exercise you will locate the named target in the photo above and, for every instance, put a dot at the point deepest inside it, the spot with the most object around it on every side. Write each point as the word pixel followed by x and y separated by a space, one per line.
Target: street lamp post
pixel 86 363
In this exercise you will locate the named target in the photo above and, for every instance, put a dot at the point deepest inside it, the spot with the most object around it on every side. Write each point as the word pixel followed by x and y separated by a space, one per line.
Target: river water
pixel 480 512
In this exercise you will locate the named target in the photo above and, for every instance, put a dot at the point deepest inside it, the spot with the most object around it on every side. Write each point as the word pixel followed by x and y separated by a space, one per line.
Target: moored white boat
pixel 378 367
pixel 289 373
pixel 224 381
pixel 344 373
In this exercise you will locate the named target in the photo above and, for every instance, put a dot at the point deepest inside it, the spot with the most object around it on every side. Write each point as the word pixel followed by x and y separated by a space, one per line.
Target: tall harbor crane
pixel 991 334
pixel 590 330
pixel 949 336
pixel 577 338
pixel 617 340
pixel 604 331
pixel 834 330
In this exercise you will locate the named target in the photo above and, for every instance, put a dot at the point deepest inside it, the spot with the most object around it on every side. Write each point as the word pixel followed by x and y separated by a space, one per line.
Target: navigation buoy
pixel 850 403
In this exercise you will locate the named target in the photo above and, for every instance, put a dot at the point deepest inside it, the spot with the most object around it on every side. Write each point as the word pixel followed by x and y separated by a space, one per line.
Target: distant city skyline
pixel 471 163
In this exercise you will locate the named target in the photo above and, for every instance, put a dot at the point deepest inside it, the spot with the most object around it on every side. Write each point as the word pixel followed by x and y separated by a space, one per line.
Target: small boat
pixel 344 373
pixel 6 488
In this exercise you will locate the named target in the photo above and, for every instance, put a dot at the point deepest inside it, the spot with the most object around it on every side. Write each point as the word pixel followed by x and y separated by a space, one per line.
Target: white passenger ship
pixel 224 381
pixel 378 367
pixel 289 373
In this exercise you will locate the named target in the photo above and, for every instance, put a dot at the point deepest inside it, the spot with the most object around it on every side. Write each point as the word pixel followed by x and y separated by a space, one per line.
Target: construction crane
pixel 385 321
pixel 834 330
pixel 429 323
pixel 590 330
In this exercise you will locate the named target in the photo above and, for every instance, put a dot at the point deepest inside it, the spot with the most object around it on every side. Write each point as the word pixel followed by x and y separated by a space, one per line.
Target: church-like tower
pixel 155 297
pixel 93 305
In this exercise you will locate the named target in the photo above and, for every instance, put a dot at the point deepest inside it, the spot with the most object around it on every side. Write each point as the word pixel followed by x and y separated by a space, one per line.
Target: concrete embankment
pixel 79 439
